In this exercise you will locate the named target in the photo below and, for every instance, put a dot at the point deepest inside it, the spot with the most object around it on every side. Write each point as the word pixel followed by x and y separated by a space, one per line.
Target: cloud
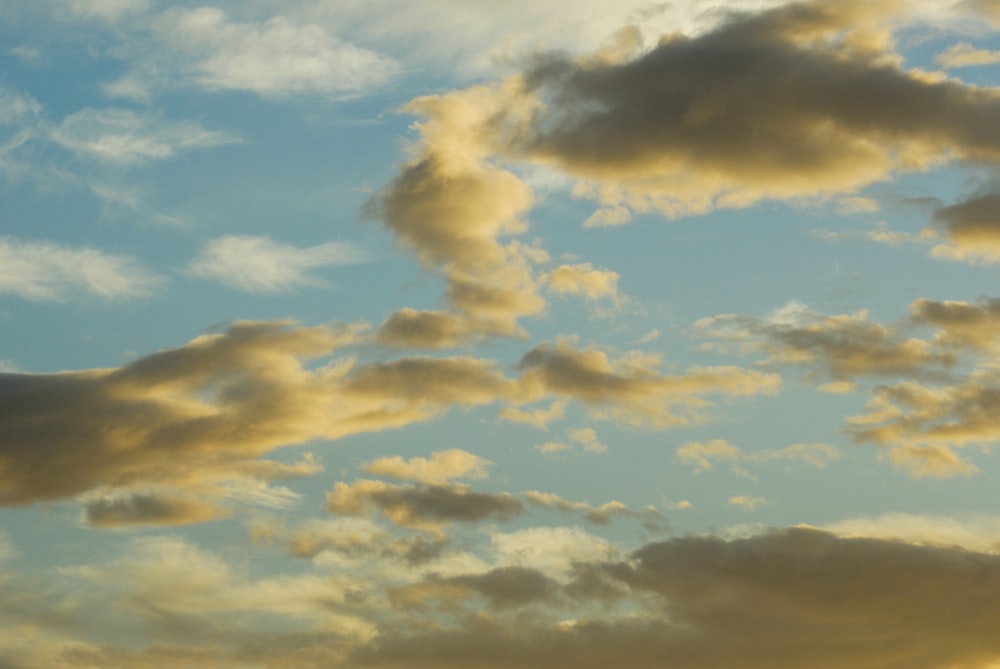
pixel 424 507
pixel 973 533
pixel 702 455
pixel 410 328
pixel 122 136
pixel 784 599
pixel 961 325
pixel 922 425
pixel 108 10
pixel 440 467
pixel 701 122
pixel 148 509
pixel 539 418
pixel 502 588
pixel 451 207
pixel 747 502
pixel 841 347
pixel 972 229
pixel 583 279
pixel 964 54
pixel 634 393
pixel 585 438
pixel 50 272
pixel 276 57
pixel 261 265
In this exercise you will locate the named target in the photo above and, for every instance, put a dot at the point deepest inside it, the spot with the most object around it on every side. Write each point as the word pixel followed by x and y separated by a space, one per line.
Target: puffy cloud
pixel 699 122
pixel 440 467
pixel 124 136
pixel 961 325
pixel 451 207
pixel 410 328
pixel 784 599
pixel 972 229
pixel 46 271
pixel 261 265
pixel 923 425
pixel 583 279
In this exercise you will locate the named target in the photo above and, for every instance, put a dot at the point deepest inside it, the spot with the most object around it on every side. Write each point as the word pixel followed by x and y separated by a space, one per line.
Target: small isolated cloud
pixel 964 54
pixel 49 272
pixel 440 467
pixel 747 502
pixel 583 279
pixel 148 509
pixel 424 507
pixel 123 136
pixel 261 265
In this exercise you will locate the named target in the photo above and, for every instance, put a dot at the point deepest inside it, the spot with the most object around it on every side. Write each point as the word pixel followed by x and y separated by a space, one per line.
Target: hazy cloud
pixel 126 137
pixel 46 271
pixel 261 265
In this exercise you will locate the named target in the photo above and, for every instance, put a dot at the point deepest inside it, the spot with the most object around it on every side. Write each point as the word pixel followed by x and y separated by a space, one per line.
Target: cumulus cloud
pixel 410 328
pixel 123 136
pixel 582 279
pixel 961 325
pixel 784 599
pixel 922 425
pixel 698 122
pixel 261 265
pixel 451 207
pixel 972 229
pixel 47 271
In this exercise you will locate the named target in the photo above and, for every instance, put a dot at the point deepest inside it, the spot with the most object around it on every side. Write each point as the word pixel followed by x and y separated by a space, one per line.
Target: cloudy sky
pixel 534 334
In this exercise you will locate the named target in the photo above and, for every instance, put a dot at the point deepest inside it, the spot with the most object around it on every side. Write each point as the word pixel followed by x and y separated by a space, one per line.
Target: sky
pixel 534 334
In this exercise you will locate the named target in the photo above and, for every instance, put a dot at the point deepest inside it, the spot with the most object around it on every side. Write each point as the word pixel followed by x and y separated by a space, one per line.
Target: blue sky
pixel 341 334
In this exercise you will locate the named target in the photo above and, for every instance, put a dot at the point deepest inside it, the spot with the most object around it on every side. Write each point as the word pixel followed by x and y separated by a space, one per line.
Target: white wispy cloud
pixel 123 136
pixel 261 265
pixel 45 271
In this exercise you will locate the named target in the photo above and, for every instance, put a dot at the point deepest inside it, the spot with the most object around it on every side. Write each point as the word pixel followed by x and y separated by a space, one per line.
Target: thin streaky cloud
pixel 49 272
pixel 257 264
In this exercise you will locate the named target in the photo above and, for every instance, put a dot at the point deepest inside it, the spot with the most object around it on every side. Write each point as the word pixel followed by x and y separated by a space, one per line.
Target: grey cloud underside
pixel 790 598
pixel 753 102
